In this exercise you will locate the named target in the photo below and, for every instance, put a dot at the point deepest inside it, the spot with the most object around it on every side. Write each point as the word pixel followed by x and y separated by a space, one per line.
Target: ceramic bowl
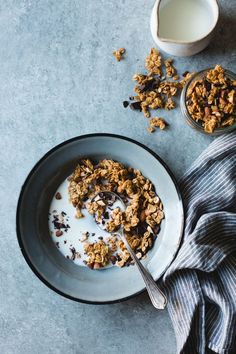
pixel 61 274
pixel 183 48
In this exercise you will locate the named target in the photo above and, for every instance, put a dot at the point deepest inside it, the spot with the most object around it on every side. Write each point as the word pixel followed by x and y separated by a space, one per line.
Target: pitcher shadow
pixel 224 39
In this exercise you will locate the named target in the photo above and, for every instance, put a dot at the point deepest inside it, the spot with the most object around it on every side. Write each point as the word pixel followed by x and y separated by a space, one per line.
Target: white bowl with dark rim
pixel 61 274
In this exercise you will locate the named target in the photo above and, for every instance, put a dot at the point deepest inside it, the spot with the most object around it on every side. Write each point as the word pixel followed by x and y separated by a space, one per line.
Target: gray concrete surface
pixel 58 79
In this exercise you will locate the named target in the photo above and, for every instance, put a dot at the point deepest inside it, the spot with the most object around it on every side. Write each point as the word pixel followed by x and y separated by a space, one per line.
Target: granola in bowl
pixel 53 238
pixel 141 218
pixel 209 101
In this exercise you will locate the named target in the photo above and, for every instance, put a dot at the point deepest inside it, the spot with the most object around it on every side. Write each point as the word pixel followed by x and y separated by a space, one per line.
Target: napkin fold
pixel 201 282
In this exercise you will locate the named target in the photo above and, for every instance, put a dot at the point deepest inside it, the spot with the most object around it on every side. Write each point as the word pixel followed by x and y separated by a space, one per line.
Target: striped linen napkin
pixel 201 282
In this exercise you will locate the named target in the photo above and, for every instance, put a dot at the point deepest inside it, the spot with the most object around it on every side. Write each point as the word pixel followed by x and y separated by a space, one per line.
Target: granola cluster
pixel 98 254
pixel 211 100
pixel 153 62
pixel 141 218
pixel 118 54
pixel 154 91
pixel 170 69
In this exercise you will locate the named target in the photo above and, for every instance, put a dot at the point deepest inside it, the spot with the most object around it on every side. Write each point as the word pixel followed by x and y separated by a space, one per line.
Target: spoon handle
pixel 157 297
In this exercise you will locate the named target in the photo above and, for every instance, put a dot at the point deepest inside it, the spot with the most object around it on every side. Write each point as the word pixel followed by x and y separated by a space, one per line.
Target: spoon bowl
pixel 111 201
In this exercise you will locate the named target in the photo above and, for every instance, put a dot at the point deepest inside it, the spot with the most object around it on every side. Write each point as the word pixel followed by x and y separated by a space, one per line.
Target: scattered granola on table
pixel 153 62
pixel 118 54
pixel 158 122
pixel 211 100
pixel 170 69
pixel 150 129
pixel 154 91
pixel 141 219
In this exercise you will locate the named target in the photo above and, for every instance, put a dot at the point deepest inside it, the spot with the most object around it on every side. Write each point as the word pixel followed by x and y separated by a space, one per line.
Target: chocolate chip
pixel 218 85
pixel 59 233
pixel 125 104
pixel 118 257
pixel 185 73
pixel 141 228
pixel 136 105
pixel 207 85
pixel 106 215
pixel 58 196
pixel 100 238
pixel 73 251
pixel 149 85
pixel 113 259
pixel 130 175
pixel 58 225
pixel 156 229
pixel 90 265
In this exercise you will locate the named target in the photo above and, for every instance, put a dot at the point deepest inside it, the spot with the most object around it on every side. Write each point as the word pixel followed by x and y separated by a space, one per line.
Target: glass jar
pixel 197 125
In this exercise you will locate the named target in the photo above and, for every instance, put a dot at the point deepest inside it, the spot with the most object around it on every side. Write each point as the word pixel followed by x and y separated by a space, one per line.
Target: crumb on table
pixel 118 54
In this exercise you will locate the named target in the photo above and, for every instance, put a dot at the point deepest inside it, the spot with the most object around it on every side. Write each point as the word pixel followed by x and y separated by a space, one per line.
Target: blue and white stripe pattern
pixel 201 282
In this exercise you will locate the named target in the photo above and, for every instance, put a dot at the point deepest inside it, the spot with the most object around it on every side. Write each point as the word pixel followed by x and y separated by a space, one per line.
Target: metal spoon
pixel 157 297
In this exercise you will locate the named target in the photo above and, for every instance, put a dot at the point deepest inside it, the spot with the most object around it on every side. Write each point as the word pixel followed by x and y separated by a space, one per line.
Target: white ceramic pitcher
pixel 181 47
